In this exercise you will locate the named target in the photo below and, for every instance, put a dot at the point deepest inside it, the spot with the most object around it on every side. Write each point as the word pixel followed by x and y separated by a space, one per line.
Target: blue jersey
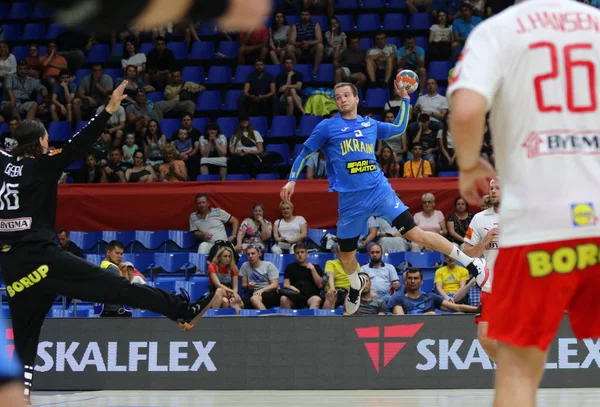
pixel 9 368
pixel 349 146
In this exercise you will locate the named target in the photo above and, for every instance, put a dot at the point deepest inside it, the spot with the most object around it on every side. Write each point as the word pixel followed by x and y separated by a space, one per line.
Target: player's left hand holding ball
pixel 474 182
pixel 287 191
pixel 402 92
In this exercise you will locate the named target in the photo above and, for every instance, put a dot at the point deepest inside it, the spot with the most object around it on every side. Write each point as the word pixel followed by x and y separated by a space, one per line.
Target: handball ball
pixel 408 80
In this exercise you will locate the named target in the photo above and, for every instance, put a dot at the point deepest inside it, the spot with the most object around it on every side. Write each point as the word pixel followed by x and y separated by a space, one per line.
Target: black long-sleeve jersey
pixel 29 186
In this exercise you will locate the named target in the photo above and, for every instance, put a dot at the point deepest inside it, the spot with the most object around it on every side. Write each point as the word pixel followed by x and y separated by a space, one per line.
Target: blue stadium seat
pixel 83 311
pixel 325 73
pixel 283 126
pixel 376 97
pixel 229 48
pixel 259 123
pixel 346 22
pixel 373 4
pixel 179 49
pixel 208 177
pixel 323 22
pixel 39 11
pixel 98 53
pixel 198 260
pixel 198 286
pixel 317 234
pixel 170 126
pixel 20 52
pixel 368 22
pixel 394 258
pixel 420 21
pixel 423 259
pixel 347 4
pixel 427 285
pixel 151 239
pixel 267 177
pixel 57 312
pixel 127 237
pixel 397 4
pixel 80 74
pixel 208 30
pixel 33 31
pixel 118 50
pixel 231 100
pixel 114 73
pixel 292 19
pixel 366 43
pixel 282 149
pixel 4 9
pixel 220 312
pixel 274 69
pixel 200 123
pixel 209 100
pixel 192 74
pixel 12 32
pixel 238 177
pixel 241 73
pixel 54 30
pixel 422 42
pixel 227 125
pixel 172 262
pixel 442 90
pixel 20 11
pixel 141 261
pixel 95 259
pixel 145 47
pixel 248 312
pixel 307 124
pixel 86 240
pixel 448 174
pixel 439 70
pixel 75 166
pixel 182 238
pixel 320 259
pixel 156 96
pixel 297 150
pixel 202 50
pixel 394 22
pixel 280 260
pixel 59 131
pixel 5 312
pixel 305 70
pixel 394 41
pixel 218 75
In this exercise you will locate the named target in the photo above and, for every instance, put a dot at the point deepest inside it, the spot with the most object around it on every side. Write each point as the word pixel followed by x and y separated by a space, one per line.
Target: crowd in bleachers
pixel 248 99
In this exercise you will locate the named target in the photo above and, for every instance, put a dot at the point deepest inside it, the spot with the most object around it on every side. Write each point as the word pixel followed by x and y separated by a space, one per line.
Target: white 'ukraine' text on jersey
pixel 479 227
pixel 538 65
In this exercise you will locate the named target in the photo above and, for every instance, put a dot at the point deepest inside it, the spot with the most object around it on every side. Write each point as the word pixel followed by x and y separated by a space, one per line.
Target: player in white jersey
pixel 537 67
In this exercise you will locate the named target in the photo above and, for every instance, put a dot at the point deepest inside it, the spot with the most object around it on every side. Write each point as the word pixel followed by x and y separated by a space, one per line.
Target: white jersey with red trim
pixel 480 226
pixel 538 65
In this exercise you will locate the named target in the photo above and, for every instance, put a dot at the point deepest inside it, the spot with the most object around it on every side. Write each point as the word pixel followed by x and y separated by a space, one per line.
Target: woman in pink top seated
pixel 429 219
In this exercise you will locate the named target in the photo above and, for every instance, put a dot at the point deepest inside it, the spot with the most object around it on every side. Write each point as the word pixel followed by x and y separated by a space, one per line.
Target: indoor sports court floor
pixel 362 398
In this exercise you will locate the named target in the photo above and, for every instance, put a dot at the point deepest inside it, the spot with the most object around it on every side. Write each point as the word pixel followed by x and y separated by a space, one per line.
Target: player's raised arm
pixel 389 130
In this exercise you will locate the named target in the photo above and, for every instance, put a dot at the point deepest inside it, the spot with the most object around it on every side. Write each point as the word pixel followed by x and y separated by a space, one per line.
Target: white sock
pixel 354 281
pixel 458 255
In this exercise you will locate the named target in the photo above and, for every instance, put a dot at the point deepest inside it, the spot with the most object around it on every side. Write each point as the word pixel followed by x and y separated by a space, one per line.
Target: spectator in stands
pixel 208 224
pixel 131 56
pixel 246 146
pixel 417 302
pixel 462 27
pixel 319 6
pixel 352 67
pixel 159 62
pixel 7 139
pixel 370 303
pixel 446 147
pixel 113 131
pixel 52 65
pixel 440 38
pixel 255 230
pixel 384 277
pixel 8 63
pixel 337 282
pixel 425 136
pixel 92 92
pixel 387 236
pixel 253 43
pixel 412 57
pixel 223 275
pixel 433 104
pixel 478 7
pixel 316 166
pixel 63 94
pixel 140 172
pixel 418 6
pixel 114 170
pixel 387 162
pixel 180 96
pixel 417 167
pixel 140 113
pixel 128 271
pixel 213 151
pixel 289 88
pixel 302 282
pixel 90 172
pixel 154 142
pixel 173 169
pixel 261 280
pixel 449 7
pixel 33 62
pixel 114 257
pixel 20 91
pixel 64 240
pixel 450 278
pixel 336 41
pixel 429 219
pixel 279 34
pixel 380 59
pixel 306 38
pixel 288 230
pixel 459 221
pixel 134 83
pixel 259 96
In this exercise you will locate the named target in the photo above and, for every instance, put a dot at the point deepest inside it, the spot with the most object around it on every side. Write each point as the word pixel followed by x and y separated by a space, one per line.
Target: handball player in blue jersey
pixel 348 141
pixel 11 375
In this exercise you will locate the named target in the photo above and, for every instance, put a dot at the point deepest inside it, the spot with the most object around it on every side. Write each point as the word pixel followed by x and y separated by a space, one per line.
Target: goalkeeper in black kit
pixel 35 269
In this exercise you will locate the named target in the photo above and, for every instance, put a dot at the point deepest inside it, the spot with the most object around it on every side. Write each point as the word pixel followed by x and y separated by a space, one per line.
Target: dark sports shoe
pixel 479 270
pixel 184 295
pixel 353 298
